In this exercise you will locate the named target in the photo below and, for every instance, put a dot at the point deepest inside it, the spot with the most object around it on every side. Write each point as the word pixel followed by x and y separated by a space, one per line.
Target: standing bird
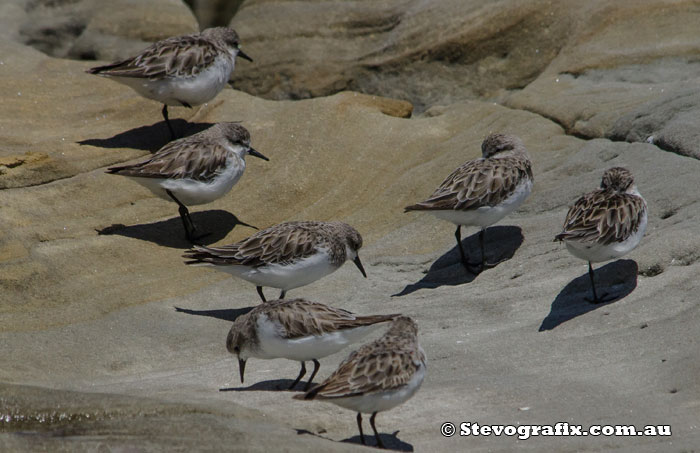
pixel 285 256
pixel 297 330
pixel 184 70
pixel 483 191
pixel 194 170
pixel 606 223
pixel 377 377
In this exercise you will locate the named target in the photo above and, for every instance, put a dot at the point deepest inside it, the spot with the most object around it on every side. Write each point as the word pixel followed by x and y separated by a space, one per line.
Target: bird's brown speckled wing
pixel 477 183
pixel 375 367
pixel 193 157
pixel 279 244
pixel 301 318
pixel 603 217
pixel 173 57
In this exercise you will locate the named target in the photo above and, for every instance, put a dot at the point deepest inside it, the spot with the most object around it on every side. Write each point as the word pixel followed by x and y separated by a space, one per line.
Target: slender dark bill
pixel 241 368
pixel 243 55
pixel 255 153
pixel 358 263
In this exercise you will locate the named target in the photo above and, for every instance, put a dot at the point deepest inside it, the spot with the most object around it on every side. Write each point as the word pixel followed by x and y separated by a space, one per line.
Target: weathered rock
pixel 424 52
pixel 624 73
pixel 600 69
pixel 94 29
pixel 58 421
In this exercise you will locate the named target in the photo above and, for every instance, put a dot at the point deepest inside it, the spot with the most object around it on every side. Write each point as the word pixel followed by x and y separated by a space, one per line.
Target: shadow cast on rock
pixel 226 314
pixel 617 279
pixel 170 233
pixel 500 245
pixel 390 441
pixel 276 385
pixel 150 138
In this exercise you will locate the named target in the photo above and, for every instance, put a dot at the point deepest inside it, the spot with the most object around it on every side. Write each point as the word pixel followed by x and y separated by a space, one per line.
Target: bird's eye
pixel 237 349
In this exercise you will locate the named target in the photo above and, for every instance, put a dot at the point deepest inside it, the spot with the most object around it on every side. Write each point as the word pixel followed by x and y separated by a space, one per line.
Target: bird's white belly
pixel 273 346
pixel 189 90
pixel 382 401
pixel 596 253
pixel 487 215
pixel 285 277
pixel 191 192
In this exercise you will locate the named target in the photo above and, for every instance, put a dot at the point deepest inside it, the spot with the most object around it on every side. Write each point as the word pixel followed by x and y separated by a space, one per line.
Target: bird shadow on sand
pixel 390 441
pixel 500 244
pixel 226 314
pixel 170 233
pixel 276 385
pixel 150 138
pixel 617 279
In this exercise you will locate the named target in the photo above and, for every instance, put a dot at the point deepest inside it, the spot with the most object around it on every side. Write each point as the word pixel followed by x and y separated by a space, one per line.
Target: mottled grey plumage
pixel 377 377
pixel 285 256
pixel 606 223
pixel 298 330
pixel 194 170
pixel 184 70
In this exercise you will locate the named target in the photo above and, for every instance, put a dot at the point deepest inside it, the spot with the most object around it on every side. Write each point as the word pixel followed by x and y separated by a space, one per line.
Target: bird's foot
pixel 600 300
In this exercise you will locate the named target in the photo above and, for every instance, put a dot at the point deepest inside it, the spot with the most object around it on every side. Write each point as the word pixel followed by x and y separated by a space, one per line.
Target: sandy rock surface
pixel 110 341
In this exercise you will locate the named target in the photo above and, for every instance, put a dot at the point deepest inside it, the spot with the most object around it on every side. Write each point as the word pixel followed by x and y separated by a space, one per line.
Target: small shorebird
pixel 183 70
pixel 194 170
pixel 483 191
pixel 377 377
pixel 285 256
pixel 606 223
pixel 297 330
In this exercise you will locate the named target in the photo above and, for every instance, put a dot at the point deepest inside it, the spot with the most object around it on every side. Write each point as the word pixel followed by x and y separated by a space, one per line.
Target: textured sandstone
pixel 110 342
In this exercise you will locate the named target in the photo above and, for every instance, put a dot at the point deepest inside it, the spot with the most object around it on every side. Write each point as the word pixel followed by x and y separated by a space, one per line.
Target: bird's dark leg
pixel 302 372
pixel 591 275
pixel 260 293
pixel 187 222
pixel 596 299
pixel 316 367
pixel 359 425
pixel 469 266
pixel 376 434
pixel 458 236
pixel 282 294
pixel 481 244
pixel 167 121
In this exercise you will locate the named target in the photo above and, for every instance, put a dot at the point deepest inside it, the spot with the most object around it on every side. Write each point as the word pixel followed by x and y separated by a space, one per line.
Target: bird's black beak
pixel 358 263
pixel 243 55
pixel 252 152
pixel 241 368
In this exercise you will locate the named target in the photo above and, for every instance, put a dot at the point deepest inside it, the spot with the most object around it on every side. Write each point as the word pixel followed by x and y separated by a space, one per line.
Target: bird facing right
pixel 194 170
pixel 184 70
pixel 377 377
pixel 482 191
pixel 606 223
pixel 285 256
